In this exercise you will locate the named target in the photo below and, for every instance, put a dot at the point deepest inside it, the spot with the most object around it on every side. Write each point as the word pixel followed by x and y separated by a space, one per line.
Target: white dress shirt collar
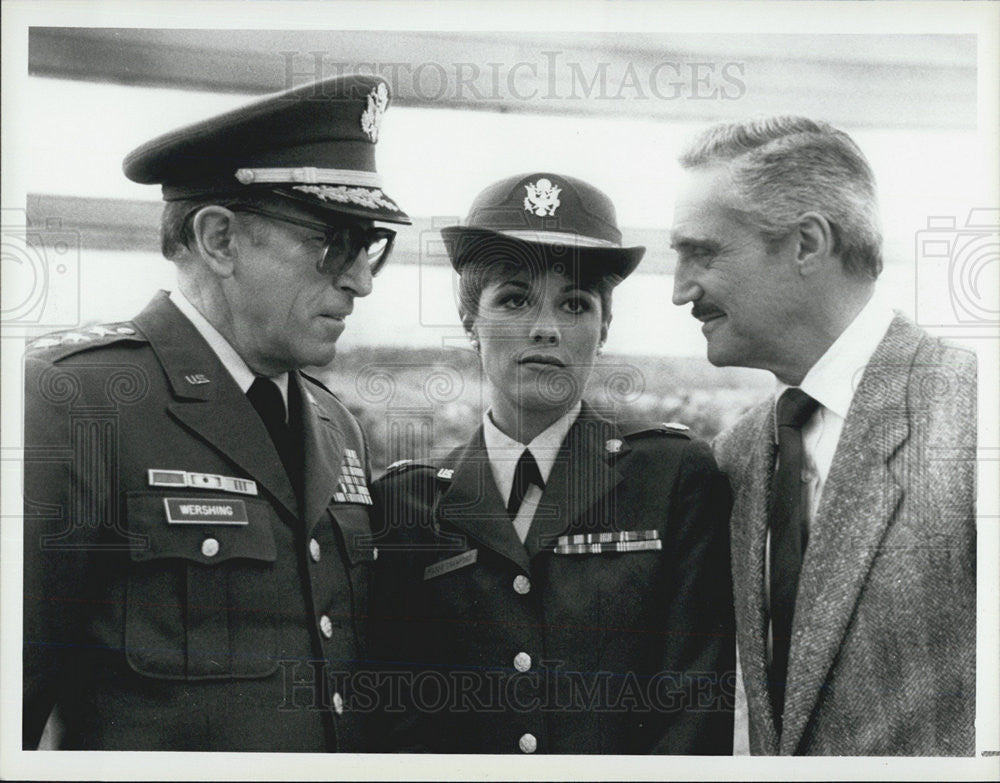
pixel 504 451
pixel 231 360
pixel 835 376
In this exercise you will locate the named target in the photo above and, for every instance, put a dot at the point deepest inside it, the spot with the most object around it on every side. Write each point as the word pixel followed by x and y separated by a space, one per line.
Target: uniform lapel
pixel 860 499
pixel 472 503
pixel 208 401
pixel 752 480
pixel 582 480
pixel 323 443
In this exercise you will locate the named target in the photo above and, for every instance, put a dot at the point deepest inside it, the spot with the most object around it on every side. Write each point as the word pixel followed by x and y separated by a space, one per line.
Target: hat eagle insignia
pixel 542 198
pixel 371 118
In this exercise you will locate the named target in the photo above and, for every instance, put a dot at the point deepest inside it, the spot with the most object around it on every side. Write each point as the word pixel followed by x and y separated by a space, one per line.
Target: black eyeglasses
pixel 343 243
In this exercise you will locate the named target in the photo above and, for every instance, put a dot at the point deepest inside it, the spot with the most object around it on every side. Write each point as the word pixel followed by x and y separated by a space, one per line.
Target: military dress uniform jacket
pixel 883 651
pixel 610 630
pixel 197 608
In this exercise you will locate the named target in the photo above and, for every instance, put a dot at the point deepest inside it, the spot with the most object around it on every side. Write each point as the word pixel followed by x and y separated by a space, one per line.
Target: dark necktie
pixel 788 534
pixel 266 399
pixel 526 473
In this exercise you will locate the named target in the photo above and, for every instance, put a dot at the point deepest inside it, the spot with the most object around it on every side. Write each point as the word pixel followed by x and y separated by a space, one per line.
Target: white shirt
pixel 831 382
pixel 504 452
pixel 231 360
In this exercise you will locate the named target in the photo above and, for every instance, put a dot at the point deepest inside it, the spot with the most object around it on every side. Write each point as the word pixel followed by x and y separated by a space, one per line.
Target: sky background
pixel 434 161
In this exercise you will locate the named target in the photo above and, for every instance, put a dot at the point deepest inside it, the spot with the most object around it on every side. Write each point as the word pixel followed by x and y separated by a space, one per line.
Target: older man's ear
pixel 815 243
pixel 215 239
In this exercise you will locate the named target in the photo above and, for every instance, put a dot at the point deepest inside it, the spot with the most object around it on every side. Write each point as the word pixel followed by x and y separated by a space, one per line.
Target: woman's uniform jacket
pixel 584 639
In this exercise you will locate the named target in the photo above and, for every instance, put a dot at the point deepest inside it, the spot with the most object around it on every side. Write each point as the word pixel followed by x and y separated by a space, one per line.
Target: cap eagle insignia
pixel 371 118
pixel 542 198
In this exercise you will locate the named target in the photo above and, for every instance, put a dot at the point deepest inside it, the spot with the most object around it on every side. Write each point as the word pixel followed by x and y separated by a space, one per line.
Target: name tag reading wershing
pixel 200 511
pixel 451 564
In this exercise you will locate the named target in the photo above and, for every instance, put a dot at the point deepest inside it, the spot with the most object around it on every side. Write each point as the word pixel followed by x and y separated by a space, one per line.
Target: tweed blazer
pixel 883 644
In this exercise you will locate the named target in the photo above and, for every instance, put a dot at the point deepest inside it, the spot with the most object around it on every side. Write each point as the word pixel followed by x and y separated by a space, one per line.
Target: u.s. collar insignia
pixel 613 446
pixel 371 118
pixel 542 198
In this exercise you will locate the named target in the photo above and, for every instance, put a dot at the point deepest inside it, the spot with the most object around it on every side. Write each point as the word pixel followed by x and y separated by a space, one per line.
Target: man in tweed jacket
pixel 776 231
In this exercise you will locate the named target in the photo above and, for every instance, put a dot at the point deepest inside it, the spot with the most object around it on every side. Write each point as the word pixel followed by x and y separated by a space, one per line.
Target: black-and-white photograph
pixel 426 383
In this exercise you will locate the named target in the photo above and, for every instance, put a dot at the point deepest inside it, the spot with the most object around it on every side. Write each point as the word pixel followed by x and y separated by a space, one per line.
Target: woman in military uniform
pixel 561 582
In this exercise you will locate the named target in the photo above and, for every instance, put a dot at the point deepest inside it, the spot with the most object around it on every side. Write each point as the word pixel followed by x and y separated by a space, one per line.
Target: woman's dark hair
pixel 497 260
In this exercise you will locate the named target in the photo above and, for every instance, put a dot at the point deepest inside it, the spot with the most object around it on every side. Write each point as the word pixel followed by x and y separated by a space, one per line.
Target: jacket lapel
pixel 860 499
pixel 472 504
pixel 749 525
pixel 207 400
pixel 581 483
pixel 323 443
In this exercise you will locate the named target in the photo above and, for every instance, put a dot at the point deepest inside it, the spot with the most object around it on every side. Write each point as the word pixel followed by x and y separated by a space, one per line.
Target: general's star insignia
pixel 46 342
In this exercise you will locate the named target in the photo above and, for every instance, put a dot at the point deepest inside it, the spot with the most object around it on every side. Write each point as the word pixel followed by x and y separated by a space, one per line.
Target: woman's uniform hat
pixel 543 213
pixel 314 144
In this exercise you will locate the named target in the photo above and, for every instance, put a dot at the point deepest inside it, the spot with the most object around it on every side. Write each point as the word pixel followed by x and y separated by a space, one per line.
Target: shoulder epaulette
pixel 403 465
pixel 673 428
pixel 59 345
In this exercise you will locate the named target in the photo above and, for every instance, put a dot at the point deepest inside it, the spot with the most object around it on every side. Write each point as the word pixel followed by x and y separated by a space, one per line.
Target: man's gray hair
pixel 175 222
pixel 785 166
